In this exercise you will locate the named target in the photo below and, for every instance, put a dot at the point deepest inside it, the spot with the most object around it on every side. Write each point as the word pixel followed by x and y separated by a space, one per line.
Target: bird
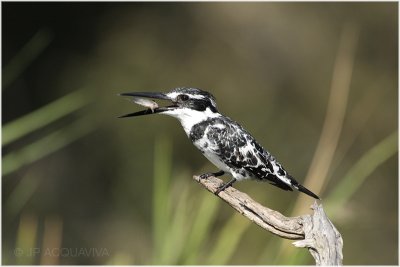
pixel 223 141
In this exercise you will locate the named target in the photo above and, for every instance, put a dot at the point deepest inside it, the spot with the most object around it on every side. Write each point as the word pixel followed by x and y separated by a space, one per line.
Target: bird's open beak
pixel 143 99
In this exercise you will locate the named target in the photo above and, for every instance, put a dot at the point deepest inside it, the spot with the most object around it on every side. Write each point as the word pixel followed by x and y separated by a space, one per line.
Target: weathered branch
pixel 315 232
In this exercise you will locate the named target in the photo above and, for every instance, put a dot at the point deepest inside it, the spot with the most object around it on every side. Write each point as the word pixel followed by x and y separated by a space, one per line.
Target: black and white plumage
pixel 221 140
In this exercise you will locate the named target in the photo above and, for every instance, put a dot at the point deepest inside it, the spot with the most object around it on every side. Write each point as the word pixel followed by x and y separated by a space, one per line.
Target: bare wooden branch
pixel 314 232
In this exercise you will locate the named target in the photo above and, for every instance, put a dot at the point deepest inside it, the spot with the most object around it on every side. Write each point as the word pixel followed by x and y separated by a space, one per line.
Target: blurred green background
pixel 315 83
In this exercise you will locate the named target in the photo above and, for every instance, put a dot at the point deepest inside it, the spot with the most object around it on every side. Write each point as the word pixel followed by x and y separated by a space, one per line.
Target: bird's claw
pixel 209 174
pixel 222 188
pixel 206 175
pixel 219 189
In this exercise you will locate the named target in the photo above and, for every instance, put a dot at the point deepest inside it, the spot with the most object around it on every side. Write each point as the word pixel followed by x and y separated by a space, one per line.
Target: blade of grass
pixel 270 249
pixel 43 116
pixel 161 206
pixel 177 231
pixel 52 238
pixel 335 114
pixel 360 171
pixel 20 195
pixel 333 123
pixel 36 45
pixel 121 258
pixel 205 216
pixel 228 240
pixel 359 116
pixel 26 240
pixel 351 182
pixel 45 146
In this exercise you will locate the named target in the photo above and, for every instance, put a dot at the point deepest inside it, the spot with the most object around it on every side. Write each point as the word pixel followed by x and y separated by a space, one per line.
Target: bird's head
pixel 185 103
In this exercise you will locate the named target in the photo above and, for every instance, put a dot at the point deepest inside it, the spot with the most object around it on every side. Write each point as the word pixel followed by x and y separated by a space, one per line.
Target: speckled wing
pixel 267 168
pixel 242 154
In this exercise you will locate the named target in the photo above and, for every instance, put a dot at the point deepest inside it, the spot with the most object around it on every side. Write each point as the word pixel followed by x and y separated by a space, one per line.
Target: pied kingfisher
pixel 221 140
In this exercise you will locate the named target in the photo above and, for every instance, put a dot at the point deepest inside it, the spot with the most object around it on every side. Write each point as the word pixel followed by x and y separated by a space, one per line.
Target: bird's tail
pixel 305 191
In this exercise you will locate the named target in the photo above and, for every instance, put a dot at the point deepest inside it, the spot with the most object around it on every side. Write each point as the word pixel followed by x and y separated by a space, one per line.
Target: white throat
pixel 189 117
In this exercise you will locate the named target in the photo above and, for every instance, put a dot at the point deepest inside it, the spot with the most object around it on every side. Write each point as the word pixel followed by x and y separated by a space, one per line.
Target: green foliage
pixel 20 195
pixel 205 215
pixel 161 205
pixel 360 171
pixel 43 116
pixel 30 152
pixel 26 55
pixel 228 240
pixel 49 143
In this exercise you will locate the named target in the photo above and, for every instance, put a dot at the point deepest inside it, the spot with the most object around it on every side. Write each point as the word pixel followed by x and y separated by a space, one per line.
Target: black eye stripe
pixel 183 97
pixel 198 103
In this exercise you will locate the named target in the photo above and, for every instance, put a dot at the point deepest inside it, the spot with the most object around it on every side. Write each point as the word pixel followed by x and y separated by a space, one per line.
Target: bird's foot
pixel 224 186
pixel 209 174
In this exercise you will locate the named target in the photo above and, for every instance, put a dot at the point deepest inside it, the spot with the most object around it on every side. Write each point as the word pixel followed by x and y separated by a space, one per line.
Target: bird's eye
pixel 183 97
